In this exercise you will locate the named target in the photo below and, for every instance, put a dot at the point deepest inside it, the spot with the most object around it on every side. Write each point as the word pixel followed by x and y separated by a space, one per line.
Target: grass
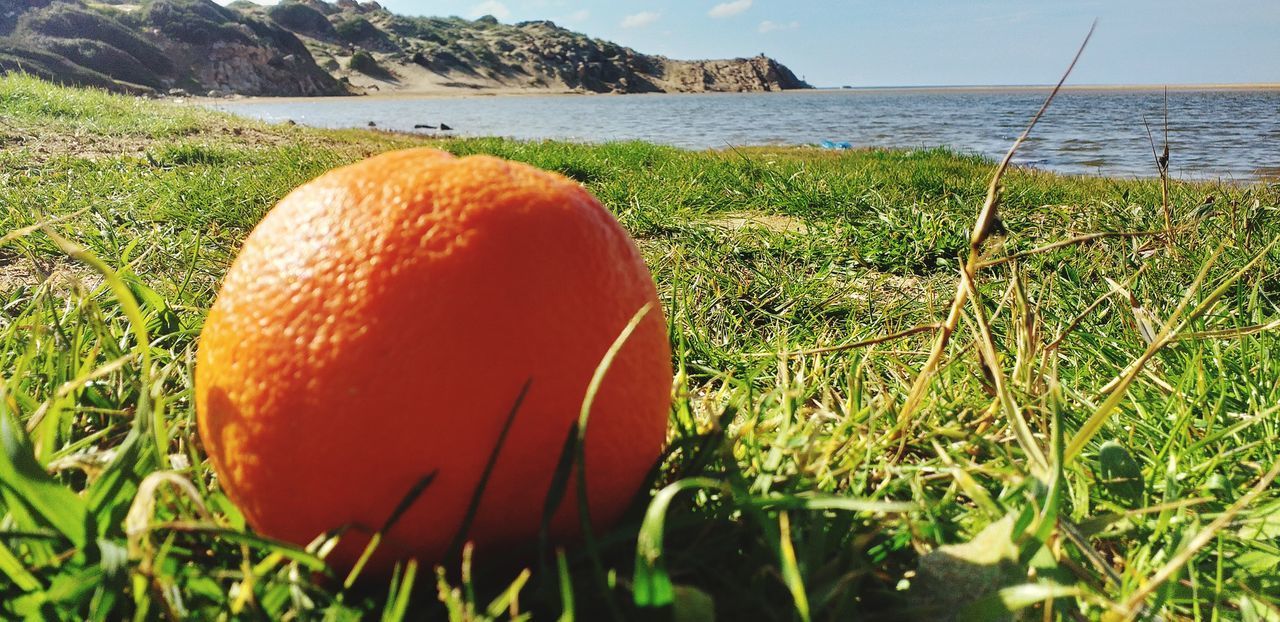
pixel 796 484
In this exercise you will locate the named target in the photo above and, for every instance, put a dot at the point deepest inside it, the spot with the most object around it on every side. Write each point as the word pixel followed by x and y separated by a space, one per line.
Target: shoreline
pixel 451 93
pixel 391 96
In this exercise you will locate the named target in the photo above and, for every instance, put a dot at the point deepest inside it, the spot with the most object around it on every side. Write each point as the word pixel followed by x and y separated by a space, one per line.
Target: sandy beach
pixel 435 91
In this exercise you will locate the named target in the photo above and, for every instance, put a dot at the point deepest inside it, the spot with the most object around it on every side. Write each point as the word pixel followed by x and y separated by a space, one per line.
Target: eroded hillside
pixel 313 47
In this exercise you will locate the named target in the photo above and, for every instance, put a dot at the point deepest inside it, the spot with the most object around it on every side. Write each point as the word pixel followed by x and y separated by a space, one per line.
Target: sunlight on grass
pixel 789 488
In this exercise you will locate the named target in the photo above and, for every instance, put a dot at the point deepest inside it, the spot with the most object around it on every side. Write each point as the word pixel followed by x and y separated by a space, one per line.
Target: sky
pixel 930 42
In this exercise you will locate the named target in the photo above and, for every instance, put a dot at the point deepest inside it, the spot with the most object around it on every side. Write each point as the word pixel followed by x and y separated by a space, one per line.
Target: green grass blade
pixel 791 569
pixel 25 482
pixel 473 506
pixel 398 605
pixel 12 568
pixel 653 587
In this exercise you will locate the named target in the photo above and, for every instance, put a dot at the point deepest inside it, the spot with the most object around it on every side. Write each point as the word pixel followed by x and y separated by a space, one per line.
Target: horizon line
pixel 1100 85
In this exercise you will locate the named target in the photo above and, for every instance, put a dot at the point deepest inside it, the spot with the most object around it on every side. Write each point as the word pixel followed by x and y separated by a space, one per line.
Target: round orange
pixel 378 326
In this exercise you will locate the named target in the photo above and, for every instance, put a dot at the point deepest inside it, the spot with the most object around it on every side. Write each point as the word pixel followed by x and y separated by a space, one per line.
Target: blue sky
pixel 931 42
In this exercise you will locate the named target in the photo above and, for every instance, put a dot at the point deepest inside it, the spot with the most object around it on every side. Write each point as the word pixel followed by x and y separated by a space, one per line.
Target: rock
pixel 445 127
pixel 424 126
pixel 214 93
pixel 175 92
pixel 372 124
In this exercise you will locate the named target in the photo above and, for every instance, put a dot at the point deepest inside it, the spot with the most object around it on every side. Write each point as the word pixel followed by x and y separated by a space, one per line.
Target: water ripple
pixel 1212 134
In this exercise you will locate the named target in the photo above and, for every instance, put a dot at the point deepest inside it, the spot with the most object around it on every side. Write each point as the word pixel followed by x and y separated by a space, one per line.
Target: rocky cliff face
pixel 739 75
pixel 313 47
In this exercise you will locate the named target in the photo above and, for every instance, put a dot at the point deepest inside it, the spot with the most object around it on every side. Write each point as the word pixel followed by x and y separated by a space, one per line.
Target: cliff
pixel 313 47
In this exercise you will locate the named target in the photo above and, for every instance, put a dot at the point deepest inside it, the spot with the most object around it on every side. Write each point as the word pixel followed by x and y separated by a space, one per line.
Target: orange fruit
pixel 378 326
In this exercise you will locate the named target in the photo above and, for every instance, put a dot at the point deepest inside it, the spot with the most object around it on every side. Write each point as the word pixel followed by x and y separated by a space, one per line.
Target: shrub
pixel 355 29
pixel 434 30
pixel 358 31
pixel 302 18
pixel 277 36
pixel 366 64
pixel 195 22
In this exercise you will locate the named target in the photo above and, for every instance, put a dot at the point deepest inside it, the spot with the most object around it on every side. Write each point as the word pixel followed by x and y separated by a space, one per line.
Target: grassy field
pixel 1096 439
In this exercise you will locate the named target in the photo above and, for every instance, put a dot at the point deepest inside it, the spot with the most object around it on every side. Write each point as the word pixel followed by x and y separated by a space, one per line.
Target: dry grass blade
pixel 917 393
pixel 926 328
pixel 985 224
pixel 1163 163
pixel 1025 316
pixel 990 211
pixel 1152 140
pixel 1083 545
pixel 1230 333
pixel 25 231
pixel 144 502
pixel 1143 318
pixel 1089 237
pixel 1012 411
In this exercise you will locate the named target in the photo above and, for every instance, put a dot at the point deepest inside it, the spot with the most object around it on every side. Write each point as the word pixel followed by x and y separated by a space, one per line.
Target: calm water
pixel 1232 134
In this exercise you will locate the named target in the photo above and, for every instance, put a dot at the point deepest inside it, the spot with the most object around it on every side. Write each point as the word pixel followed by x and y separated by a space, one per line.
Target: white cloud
pixel 729 9
pixel 640 20
pixel 768 26
pixel 490 7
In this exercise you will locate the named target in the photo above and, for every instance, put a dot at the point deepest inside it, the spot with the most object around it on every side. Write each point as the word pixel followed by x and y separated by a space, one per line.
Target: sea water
pixel 1231 134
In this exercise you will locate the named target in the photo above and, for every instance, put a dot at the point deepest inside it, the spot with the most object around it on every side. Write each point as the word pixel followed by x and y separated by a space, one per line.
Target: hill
pixel 159 45
pixel 313 47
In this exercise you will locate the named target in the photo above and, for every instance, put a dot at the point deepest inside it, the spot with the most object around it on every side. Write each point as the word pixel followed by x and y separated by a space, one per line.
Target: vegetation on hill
pixel 250 49
pixel 1096 437
pixel 534 54
pixel 21 57
pixel 162 44
pixel 302 19
pixel 364 62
